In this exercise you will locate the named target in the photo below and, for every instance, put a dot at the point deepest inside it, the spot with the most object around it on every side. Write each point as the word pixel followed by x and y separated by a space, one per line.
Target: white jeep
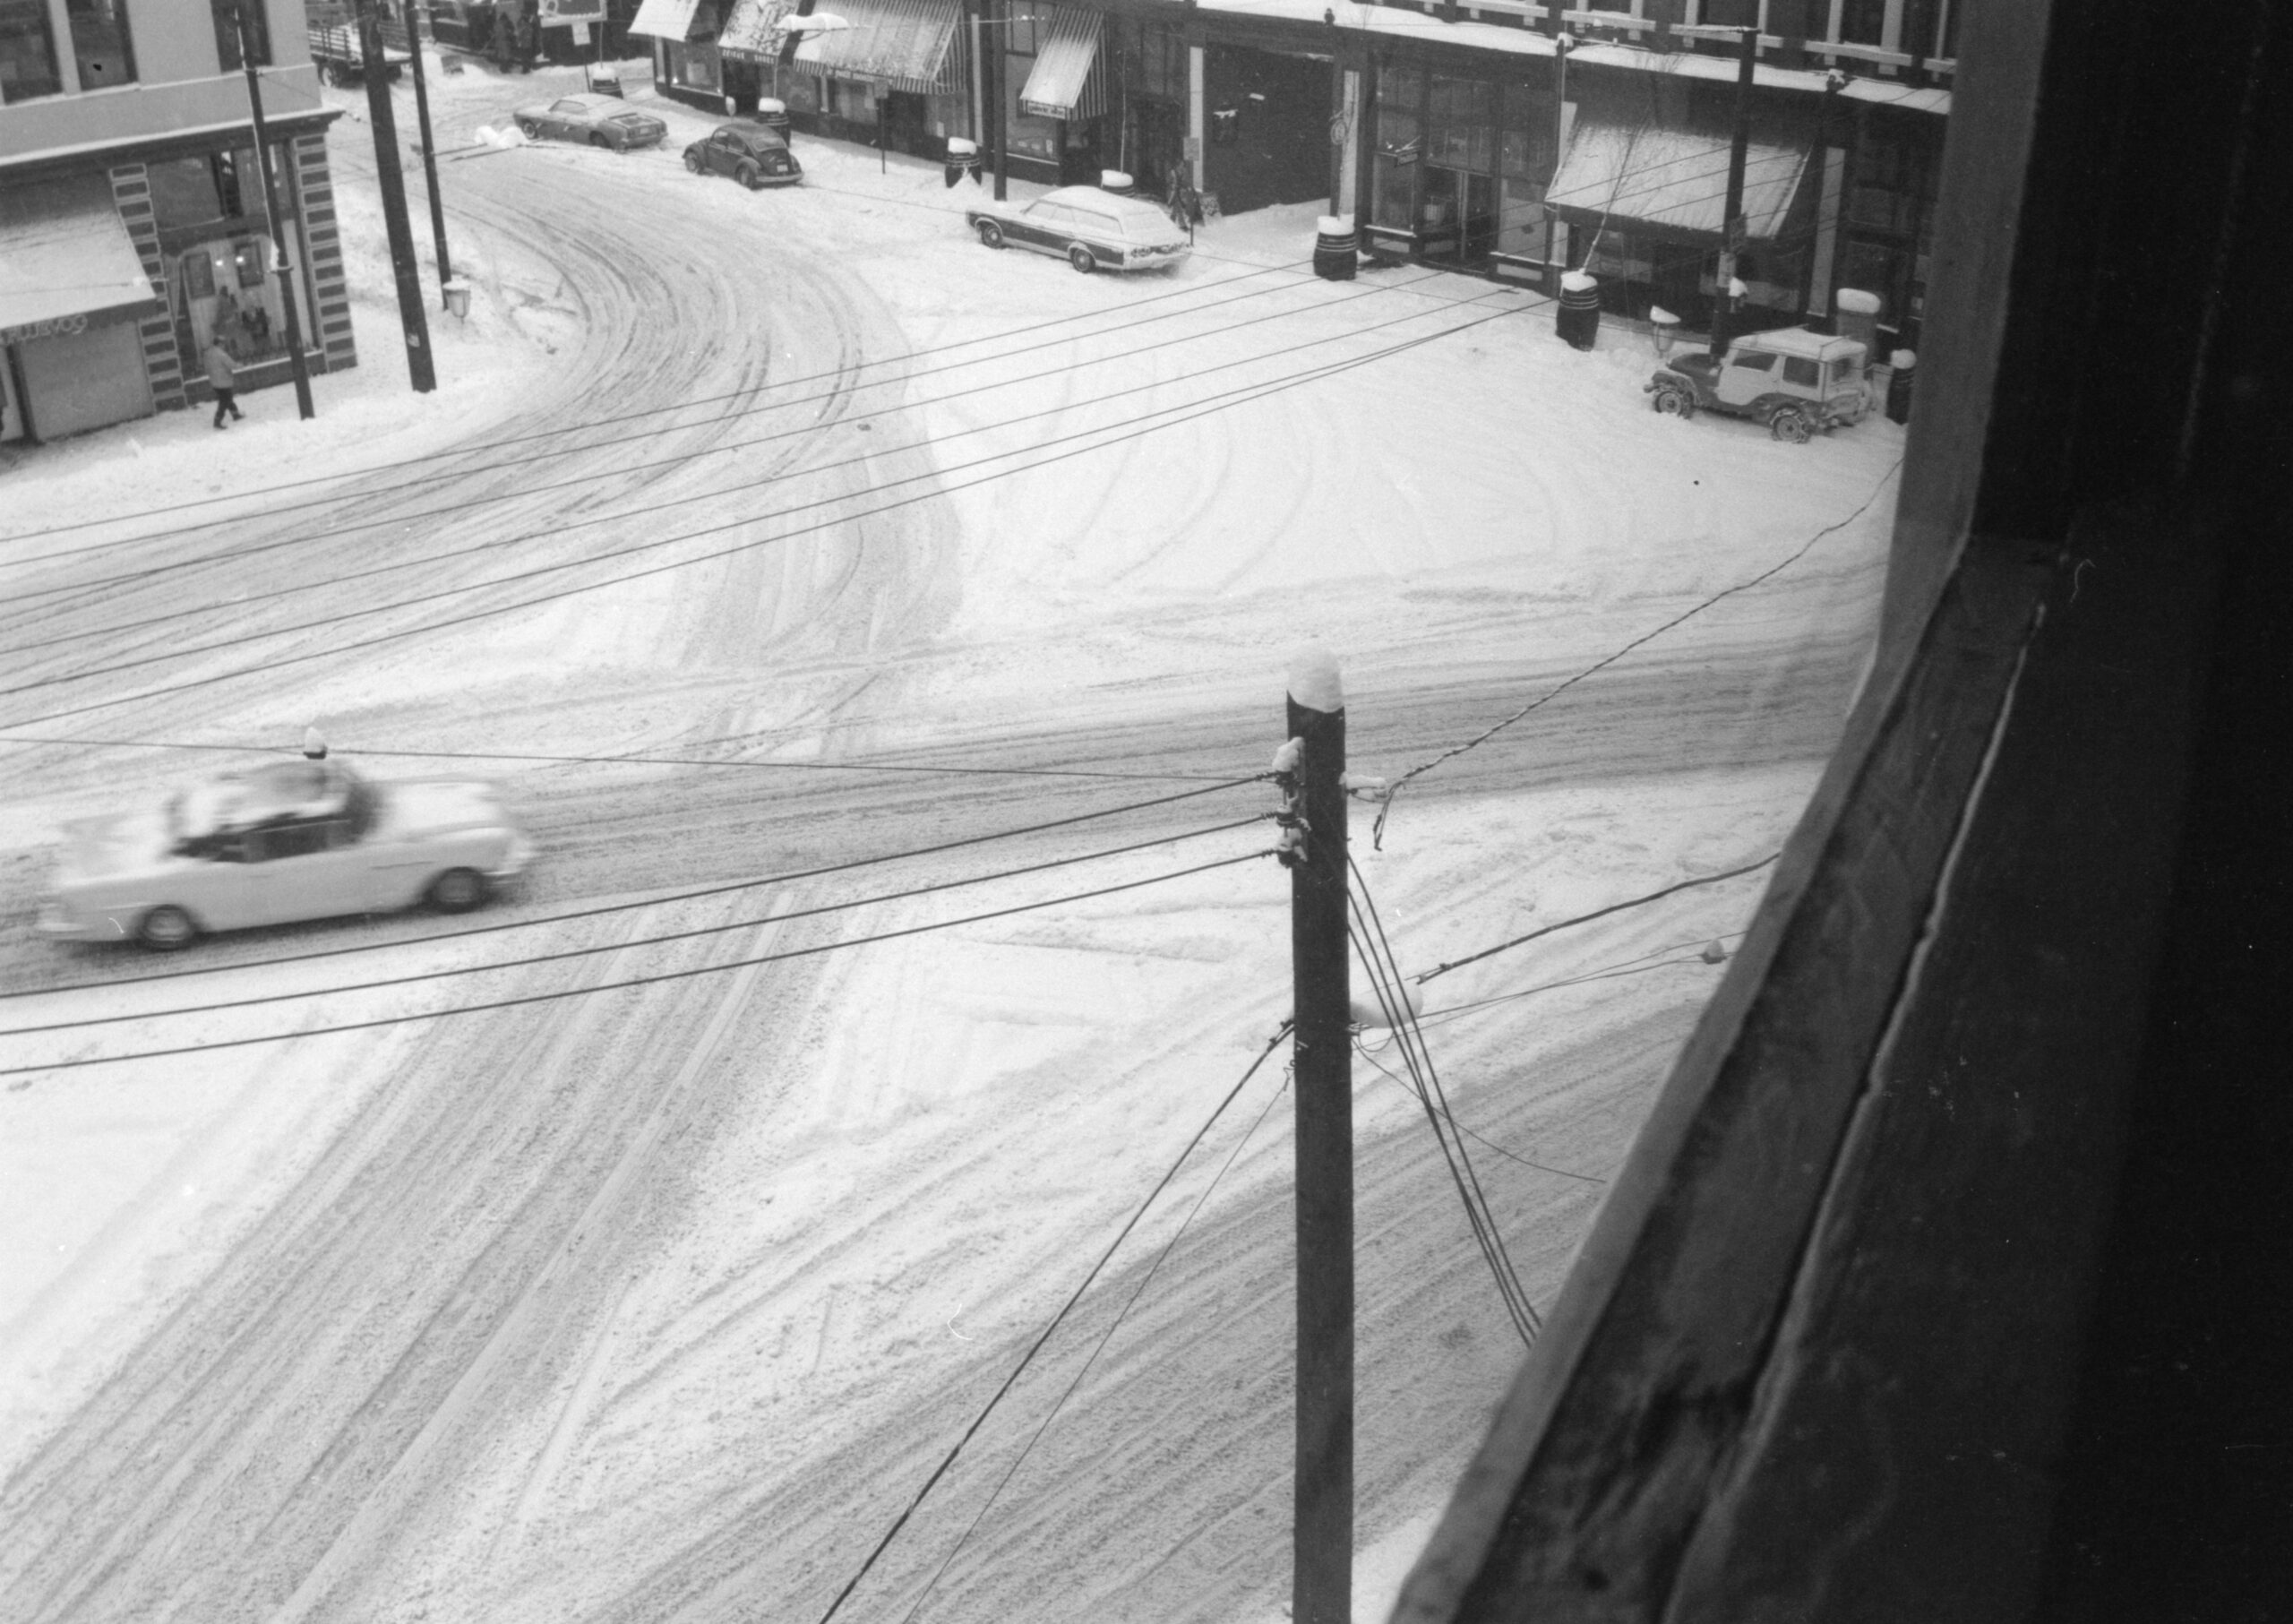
pixel 1797 383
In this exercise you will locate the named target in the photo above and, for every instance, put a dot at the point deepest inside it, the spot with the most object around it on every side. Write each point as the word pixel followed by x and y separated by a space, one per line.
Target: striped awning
pixel 66 260
pixel 752 31
pixel 1673 179
pixel 671 19
pixel 905 44
pixel 1067 48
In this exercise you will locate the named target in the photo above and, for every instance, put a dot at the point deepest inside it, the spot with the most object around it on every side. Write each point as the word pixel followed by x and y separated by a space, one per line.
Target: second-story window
pixel 27 52
pixel 1862 21
pixel 227 33
pixel 100 43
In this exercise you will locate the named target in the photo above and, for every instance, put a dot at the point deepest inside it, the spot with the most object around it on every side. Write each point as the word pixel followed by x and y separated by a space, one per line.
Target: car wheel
pixel 457 891
pixel 596 140
pixel 166 928
pixel 527 128
pixel 747 174
pixel 1082 259
pixel 1674 401
pixel 692 161
pixel 1790 425
pixel 991 234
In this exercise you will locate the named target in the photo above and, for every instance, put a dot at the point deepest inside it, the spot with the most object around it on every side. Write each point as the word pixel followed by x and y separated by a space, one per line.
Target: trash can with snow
pixel 1899 386
pixel 1578 317
pixel 1338 252
pixel 1116 182
pixel 963 158
pixel 1859 319
pixel 773 114
pixel 1665 330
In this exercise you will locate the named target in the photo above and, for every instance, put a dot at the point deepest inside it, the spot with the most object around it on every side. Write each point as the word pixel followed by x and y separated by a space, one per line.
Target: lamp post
pixel 285 266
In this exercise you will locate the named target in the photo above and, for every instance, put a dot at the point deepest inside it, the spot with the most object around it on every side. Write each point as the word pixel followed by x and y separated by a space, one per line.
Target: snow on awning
pixel 66 260
pixel 1067 48
pixel 902 44
pixel 669 18
pixel 1676 178
pixel 752 31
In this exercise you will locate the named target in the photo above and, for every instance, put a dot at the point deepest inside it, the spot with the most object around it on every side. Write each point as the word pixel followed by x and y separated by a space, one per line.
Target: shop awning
pixel 903 44
pixel 674 19
pixel 751 31
pixel 1067 48
pixel 1655 175
pixel 67 259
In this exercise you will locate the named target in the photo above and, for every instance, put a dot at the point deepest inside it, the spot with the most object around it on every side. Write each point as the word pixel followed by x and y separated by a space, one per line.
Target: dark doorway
pixel 1267 118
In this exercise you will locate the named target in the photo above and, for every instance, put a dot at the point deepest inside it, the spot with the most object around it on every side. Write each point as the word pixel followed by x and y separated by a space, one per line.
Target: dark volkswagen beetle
pixel 755 154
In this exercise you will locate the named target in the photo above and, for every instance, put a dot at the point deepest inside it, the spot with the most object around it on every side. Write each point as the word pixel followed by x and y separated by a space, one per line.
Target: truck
pixel 336 50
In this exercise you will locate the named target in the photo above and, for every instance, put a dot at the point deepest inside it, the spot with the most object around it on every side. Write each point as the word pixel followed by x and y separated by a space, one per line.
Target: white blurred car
pixel 291 840
pixel 1086 226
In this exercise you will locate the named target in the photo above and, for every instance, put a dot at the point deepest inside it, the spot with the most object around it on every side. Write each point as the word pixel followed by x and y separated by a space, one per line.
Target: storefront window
pixel 1730 14
pixel 100 42
pixel 1862 21
pixel 227 33
pixel 27 52
pixel 1393 186
pixel 1459 129
pixel 187 191
pixel 1024 133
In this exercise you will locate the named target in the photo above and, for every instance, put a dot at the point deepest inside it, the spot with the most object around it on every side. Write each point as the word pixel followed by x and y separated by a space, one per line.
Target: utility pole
pixel 1731 226
pixel 995 99
pixel 1322 1538
pixel 392 180
pixel 286 265
pixel 417 23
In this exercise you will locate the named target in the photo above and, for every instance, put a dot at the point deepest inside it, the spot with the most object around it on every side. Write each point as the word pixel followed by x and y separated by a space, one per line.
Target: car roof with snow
pixel 243 800
pixel 1799 341
pixel 1132 211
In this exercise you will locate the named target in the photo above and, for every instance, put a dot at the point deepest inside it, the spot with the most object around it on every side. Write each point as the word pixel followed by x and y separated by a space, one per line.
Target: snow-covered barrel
pixel 773 113
pixel 1337 251
pixel 963 158
pixel 1116 182
pixel 1859 319
pixel 1664 328
pixel 1898 385
pixel 1577 318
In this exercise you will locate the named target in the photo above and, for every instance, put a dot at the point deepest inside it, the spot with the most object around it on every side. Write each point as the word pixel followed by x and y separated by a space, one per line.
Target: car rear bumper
pixel 515 861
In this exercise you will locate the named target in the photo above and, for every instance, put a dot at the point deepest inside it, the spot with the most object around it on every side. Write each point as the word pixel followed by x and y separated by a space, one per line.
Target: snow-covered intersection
pixel 752 535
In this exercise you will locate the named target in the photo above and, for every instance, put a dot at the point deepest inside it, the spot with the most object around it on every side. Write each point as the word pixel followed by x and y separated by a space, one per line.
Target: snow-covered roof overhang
pixel 65 259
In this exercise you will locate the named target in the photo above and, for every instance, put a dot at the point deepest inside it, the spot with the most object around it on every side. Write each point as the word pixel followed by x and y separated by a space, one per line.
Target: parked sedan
pixel 754 154
pixel 1089 227
pixel 291 840
pixel 601 121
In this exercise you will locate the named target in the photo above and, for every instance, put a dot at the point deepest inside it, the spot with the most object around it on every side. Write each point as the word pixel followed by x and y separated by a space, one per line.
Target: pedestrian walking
pixel 222 372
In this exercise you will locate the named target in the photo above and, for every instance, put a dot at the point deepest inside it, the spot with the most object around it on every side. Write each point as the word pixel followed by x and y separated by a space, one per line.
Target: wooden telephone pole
pixel 1322 1547
pixel 392 181
pixel 1731 228
pixel 283 262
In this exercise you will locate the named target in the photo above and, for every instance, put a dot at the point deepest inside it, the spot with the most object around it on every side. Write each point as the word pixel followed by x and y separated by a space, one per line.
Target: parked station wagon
pixel 290 840
pixel 1797 383
pixel 1089 227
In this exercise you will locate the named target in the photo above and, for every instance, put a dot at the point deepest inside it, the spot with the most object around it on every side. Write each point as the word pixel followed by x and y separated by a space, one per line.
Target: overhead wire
pixel 563 955
pixel 1103 438
pixel 561 995
pixel 498 543
pixel 1561 687
pixel 1057 1319
pixel 1598 912
pixel 599 910
pixel 525 490
pixel 1105 1336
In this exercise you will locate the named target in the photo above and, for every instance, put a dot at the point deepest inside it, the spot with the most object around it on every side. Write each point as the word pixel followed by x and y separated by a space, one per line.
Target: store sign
pixel 560 13
pixel 52 327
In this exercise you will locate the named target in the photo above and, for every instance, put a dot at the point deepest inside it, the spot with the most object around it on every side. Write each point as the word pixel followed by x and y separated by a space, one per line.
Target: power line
pixel 527 490
pixel 1377 830
pixel 1105 1336
pixel 1601 913
pixel 597 422
pixel 602 909
pixel 1174 417
pixel 1057 1319
pixel 689 934
pixel 613 986
pixel 498 543
pixel 843 764
pixel 1630 966
pixel 1583 1178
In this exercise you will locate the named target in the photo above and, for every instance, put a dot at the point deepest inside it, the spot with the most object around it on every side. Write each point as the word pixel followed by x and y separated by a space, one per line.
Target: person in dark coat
pixel 222 372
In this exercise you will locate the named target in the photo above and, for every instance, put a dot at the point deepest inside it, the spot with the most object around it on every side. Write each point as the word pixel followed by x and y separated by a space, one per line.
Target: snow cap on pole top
pixel 1314 680
pixel 314 743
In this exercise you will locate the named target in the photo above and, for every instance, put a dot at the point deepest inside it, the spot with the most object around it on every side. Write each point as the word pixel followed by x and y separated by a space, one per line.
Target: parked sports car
pixel 290 840
pixel 601 121
pixel 1090 227
pixel 754 154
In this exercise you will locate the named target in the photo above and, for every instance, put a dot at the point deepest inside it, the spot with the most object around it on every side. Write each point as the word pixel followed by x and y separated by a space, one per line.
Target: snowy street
pixel 751 535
